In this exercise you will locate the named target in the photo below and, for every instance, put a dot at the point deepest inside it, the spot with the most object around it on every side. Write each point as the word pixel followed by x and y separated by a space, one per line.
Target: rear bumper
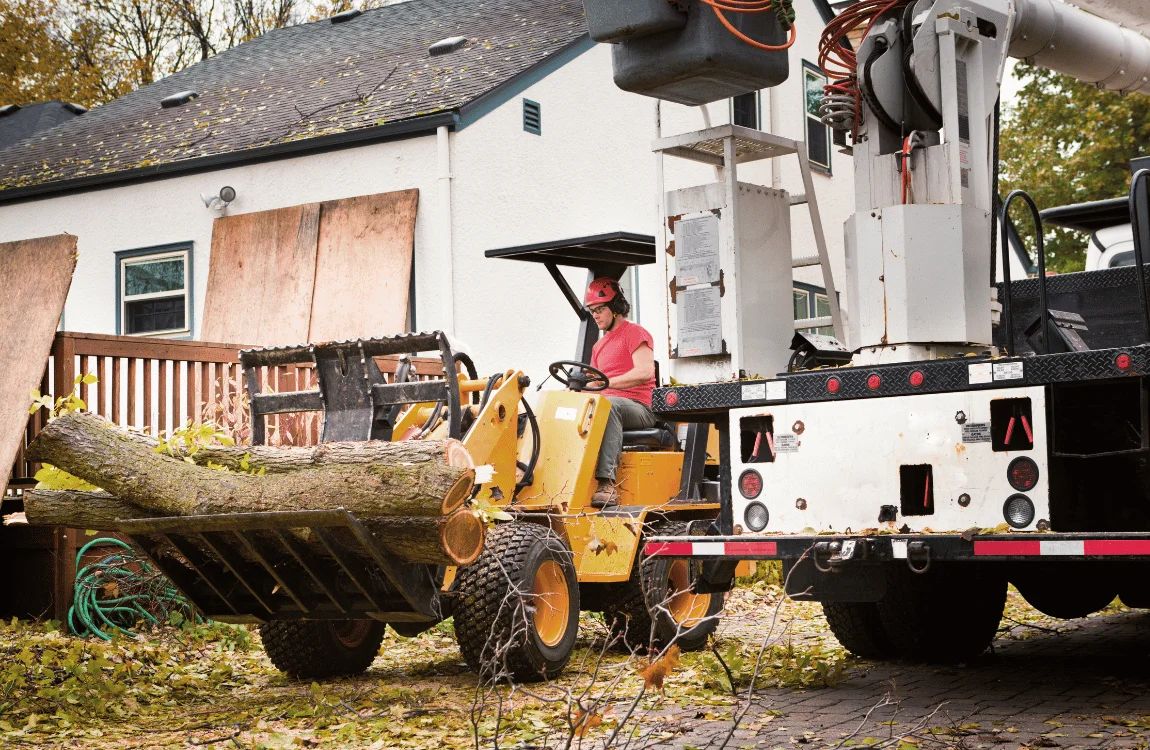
pixel 835 550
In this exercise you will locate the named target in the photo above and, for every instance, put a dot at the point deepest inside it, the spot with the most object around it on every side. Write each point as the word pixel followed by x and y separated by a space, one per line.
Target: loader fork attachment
pixel 357 401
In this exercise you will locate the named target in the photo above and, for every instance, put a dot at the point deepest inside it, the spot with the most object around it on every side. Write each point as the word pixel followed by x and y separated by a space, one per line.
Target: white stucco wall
pixel 591 171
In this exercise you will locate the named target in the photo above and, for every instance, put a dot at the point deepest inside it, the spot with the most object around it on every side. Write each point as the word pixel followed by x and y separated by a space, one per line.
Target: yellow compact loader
pixel 322 607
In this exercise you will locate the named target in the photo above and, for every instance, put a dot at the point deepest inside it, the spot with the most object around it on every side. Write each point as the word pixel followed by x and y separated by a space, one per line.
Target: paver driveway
pixel 1082 686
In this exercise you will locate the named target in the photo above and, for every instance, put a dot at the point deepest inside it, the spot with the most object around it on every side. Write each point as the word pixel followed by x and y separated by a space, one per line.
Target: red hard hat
pixel 601 290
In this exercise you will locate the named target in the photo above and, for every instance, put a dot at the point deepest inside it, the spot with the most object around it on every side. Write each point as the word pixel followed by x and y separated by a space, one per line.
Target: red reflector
pixel 750 484
pixel 1122 361
pixel 916 378
pixel 671 398
pixel 873 382
pixel 833 385
pixel 1022 474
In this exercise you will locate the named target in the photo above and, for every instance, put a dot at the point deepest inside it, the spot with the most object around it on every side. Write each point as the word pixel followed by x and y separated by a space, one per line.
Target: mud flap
pixel 851 583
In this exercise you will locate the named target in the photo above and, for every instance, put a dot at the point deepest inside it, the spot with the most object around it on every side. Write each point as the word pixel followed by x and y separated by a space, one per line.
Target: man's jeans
pixel 625 415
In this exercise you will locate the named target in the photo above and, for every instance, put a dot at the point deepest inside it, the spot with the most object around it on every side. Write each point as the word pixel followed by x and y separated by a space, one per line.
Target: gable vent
pixel 347 15
pixel 178 98
pixel 444 46
pixel 532 117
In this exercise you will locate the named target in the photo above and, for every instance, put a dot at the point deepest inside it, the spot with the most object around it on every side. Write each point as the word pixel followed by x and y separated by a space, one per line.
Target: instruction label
pixel 700 322
pixel 697 250
pixel 1008 371
pixel 980 373
pixel 786 442
pixel 566 413
pixel 976 432
pixel 755 392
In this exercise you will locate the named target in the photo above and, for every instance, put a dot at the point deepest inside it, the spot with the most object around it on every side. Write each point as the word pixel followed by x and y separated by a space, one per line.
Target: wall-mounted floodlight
pixel 221 199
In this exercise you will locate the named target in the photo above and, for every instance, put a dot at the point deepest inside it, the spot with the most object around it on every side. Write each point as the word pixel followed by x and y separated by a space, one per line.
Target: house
pixel 513 133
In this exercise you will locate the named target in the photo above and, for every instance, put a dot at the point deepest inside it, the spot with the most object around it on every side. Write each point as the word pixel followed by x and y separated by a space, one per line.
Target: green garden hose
pixel 119 591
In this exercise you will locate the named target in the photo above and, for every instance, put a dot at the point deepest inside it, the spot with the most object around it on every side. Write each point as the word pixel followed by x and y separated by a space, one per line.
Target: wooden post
pixel 63 539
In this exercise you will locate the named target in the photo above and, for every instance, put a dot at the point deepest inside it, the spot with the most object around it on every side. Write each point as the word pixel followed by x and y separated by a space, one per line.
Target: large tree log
pixel 373 479
pixel 78 509
pixel 456 539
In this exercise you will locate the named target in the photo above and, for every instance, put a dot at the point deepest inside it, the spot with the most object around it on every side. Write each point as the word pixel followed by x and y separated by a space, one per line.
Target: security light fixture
pixel 221 199
pixel 444 46
pixel 178 98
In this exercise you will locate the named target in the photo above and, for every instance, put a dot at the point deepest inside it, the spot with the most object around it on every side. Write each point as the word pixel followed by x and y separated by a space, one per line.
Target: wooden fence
pixel 158 385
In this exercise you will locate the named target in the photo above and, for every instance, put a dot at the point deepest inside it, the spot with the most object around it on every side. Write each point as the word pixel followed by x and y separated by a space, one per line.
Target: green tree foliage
pixel 1068 142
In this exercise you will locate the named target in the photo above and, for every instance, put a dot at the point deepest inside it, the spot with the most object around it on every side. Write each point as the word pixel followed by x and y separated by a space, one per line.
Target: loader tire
pixel 946 615
pixel 656 606
pixel 317 649
pixel 858 627
pixel 517 611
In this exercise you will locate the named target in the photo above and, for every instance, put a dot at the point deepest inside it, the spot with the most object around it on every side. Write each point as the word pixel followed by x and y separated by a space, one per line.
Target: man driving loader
pixel 626 355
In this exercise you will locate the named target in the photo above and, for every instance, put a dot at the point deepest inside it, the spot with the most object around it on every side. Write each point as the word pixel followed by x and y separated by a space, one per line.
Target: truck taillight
pixel 873 382
pixel 750 484
pixel 1022 474
pixel 1018 511
pixel 756 516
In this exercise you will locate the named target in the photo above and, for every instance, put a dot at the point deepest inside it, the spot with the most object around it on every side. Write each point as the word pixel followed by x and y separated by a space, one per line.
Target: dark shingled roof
pixel 22 122
pixel 303 82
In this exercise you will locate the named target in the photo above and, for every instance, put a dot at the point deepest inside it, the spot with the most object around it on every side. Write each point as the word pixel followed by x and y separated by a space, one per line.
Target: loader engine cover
pixel 703 61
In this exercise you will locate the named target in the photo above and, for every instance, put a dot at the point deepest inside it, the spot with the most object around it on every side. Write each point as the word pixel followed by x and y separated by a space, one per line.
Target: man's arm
pixel 641 373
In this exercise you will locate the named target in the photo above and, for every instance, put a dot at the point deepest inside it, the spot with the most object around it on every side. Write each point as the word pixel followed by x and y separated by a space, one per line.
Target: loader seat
pixel 662 435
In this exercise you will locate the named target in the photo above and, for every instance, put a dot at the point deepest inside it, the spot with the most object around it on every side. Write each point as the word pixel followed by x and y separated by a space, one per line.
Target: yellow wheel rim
pixel 552 602
pixel 686 607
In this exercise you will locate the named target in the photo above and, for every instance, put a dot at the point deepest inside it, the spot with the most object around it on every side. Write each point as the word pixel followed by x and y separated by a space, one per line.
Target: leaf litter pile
pixel 210 685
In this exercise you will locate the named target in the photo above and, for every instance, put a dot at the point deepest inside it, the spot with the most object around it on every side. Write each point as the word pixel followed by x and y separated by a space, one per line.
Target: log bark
pixel 371 479
pixel 456 539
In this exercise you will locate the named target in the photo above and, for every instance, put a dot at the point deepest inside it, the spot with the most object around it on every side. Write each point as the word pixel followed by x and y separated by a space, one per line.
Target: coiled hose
pixel 120 590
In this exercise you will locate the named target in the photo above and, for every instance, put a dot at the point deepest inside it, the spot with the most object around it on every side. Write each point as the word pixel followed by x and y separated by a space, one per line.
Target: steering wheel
pixel 578 376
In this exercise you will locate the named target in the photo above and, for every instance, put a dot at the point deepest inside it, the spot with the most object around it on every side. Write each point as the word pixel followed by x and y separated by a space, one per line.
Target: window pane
pixel 813 91
pixel 802 306
pixel 153 276
pixel 745 110
pixel 822 305
pixel 164 314
pixel 818 146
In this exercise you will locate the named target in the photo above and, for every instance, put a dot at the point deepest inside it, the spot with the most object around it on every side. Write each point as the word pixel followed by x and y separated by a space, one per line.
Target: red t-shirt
pixel 613 355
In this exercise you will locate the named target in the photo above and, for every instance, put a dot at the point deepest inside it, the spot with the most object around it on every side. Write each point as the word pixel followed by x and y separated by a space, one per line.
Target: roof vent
pixel 347 15
pixel 178 98
pixel 9 109
pixel 75 109
pixel 445 46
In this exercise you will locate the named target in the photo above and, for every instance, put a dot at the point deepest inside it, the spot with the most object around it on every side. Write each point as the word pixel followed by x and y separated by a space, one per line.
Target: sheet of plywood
pixel 363 266
pixel 261 276
pixel 36 275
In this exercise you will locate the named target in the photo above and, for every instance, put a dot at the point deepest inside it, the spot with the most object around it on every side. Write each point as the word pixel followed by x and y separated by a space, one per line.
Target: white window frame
pixel 124 262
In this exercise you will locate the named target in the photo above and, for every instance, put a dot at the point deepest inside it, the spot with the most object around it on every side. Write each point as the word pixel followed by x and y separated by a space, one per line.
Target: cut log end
pixel 457 456
pixel 459 492
pixel 463 535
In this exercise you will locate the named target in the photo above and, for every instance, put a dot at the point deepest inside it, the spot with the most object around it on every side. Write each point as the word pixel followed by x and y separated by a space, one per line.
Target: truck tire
pixel 1063 592
pixel 656 606
pixel 858 627
pixel 517 611
pixel 317 649
pixel 946 615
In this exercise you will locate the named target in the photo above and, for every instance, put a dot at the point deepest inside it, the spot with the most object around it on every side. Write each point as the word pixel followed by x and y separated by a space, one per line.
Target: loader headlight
pixel 756 516
pixel 1018 511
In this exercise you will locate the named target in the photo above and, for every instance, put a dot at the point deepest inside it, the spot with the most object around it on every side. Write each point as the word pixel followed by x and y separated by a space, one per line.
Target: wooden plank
pixel 177 420
pixel 101 345
pixel 161 395
pixel 146 370
pixel 116 390
pixel 261 276
pixel 130 417
pixel 363 266
pixel 101 385
pixel 37 274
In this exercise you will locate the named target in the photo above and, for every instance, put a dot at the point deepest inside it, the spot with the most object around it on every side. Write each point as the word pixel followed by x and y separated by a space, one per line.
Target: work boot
pixel 606 496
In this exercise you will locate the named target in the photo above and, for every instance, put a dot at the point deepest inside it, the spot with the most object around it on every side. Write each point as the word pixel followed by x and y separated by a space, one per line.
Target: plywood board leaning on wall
pixel 316 272
pixel 363 267
pixel 261 276
pixel 37 274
